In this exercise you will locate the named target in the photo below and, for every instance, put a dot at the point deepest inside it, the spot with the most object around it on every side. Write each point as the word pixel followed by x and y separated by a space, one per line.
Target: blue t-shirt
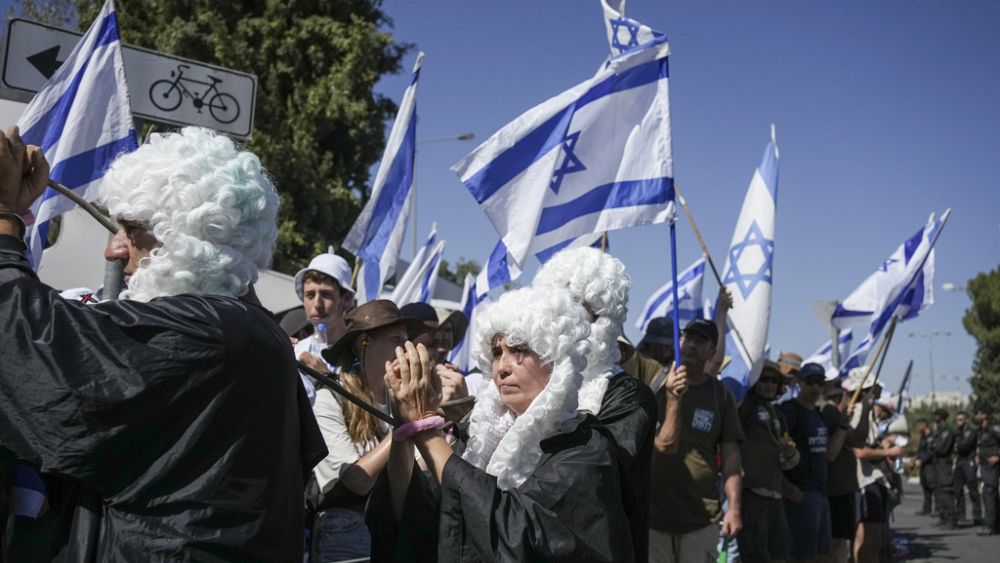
pixel 807 428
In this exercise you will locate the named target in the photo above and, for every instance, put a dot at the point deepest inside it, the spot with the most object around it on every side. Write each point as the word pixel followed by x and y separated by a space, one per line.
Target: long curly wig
pixel 596 280
pixel 554 326
pixel 210 205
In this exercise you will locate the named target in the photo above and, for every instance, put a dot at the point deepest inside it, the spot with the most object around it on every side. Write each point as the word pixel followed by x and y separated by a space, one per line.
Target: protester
pixel 627 408
pixel 145 401
pixel 358 442
pixel 539 481
pixel 924 459
pixel 943 446
pixel 965 468
pixel 989 469
pixel 764 453
pixel 842 466
pixel 324 287
pixel 658 341
pixel 701 422
pixel 809 518
pixel 873 471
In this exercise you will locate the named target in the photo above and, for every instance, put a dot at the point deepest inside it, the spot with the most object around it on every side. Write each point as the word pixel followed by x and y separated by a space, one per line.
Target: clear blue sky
pixel 885 112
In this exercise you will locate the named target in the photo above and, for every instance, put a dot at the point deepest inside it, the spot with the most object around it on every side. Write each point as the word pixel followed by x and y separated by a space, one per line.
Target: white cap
pixel 854 378
pixel 329 264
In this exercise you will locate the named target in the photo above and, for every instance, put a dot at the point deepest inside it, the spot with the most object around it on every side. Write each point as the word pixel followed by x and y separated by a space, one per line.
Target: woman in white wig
pixel 622 403
pixel 537 481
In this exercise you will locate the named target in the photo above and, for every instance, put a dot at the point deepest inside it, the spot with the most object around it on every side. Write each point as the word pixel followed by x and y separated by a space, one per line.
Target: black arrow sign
pixel 45 61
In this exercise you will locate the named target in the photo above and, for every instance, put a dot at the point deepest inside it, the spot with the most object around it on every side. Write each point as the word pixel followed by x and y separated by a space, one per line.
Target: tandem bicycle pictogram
pixel 168 95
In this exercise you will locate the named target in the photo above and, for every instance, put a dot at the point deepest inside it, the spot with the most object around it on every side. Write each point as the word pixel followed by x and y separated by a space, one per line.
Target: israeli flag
pixel 377 235
pixel 460 354
pixel 661 303
pixel 625 34
pixel 748 276
pixel 594 158
pixel 500 269
pixel 824 356
pixel 420 279
pixel 902 287
pixel 82 121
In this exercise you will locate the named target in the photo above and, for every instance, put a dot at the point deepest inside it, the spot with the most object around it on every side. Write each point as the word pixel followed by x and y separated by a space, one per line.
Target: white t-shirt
pixel 303 346
pixel 343 452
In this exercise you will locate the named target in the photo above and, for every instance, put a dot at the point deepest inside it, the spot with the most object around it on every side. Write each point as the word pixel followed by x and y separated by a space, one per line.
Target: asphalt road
pixel 922 542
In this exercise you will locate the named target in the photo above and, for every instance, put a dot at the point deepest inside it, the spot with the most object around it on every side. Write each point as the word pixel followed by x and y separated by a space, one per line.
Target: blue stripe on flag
pixel 41 133
pixel 628 193
pixel 391 201
pixel 769 170
pixel 497 269
pixel 550 134
pixel 668 292
pixel 88 166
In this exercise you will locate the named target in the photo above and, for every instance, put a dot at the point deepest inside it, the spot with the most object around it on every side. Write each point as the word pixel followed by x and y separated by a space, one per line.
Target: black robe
pixel 184 417
pixel 628 411
pixel 570 509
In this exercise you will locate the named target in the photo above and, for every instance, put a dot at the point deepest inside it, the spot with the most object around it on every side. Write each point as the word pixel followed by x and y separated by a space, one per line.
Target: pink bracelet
pixel 410 428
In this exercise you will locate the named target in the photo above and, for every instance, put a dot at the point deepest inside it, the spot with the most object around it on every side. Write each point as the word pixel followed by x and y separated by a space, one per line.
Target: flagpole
pixel 673 273
pixel 711 263
pixel 604 241
pixel 871 364
pixel 354 273
pixel 902 387
pixel 87 206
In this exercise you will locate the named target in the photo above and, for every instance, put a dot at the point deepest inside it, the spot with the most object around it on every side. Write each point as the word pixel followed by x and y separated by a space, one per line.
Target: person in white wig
pixel 538 480
pixel 623 404
pixel 180 407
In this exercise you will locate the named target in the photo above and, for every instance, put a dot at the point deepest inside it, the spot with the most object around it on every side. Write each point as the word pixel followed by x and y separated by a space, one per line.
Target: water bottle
pixel 318 342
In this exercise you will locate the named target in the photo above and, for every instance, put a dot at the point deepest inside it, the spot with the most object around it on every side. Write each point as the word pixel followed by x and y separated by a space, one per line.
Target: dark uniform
pixel 926 457
pixel 989 445
pixel 942 446
pixel 965 472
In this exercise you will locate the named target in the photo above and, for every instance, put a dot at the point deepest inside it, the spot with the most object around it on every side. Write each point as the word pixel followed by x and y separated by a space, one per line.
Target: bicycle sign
pixel 168 95
pixel 195 93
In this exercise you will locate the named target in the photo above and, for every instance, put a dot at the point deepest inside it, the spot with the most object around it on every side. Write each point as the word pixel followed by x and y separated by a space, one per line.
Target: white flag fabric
pixel 500 269
pixel 824 356
pixel 471 300
pixel 82 121
pixel 661 302
pixel 594 158
pixel 420 278
pixel 406 282
pixel 748 276
pixel 902 287
pixel 377 235
pixel 625 34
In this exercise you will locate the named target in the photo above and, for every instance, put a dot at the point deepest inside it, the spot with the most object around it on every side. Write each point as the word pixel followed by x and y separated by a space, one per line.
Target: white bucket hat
pixel 331 265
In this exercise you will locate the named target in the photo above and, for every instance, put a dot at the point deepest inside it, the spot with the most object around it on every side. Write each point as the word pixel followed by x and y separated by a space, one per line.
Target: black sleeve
pixel 415 537
pixel 568 510
pixel 74 379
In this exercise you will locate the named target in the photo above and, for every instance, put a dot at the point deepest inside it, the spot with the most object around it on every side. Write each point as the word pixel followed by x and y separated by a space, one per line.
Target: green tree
pixel 982 321
pixel 53 12
pixel 457 274
pixel 319 126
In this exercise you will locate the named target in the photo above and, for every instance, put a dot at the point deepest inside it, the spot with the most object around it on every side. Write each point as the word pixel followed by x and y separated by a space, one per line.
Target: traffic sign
pixel 162 87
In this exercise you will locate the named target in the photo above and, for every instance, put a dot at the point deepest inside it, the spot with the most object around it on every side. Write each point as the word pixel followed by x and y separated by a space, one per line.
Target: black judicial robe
pixel 184 418
pixel 570 509
pixel 628 411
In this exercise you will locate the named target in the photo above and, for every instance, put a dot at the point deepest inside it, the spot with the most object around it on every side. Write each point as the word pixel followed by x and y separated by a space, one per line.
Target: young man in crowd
pixel 700 424
pixel 324 287
pixel 966 437
pixel 808 519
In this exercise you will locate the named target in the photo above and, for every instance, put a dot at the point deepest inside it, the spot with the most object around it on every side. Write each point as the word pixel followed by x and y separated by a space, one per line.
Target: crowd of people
pixel 182 422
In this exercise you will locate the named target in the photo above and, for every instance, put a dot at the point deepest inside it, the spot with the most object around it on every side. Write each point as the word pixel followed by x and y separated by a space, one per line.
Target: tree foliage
pixel 319 126
pixel 982 321
pixel 457 274
pixel 59 13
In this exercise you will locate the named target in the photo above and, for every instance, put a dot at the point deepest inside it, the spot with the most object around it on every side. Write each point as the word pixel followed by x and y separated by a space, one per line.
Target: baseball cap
pixel 702 328
pixel 660 330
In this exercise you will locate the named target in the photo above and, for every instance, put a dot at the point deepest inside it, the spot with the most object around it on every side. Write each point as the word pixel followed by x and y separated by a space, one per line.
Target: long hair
pixel 210 205
pixel 362 427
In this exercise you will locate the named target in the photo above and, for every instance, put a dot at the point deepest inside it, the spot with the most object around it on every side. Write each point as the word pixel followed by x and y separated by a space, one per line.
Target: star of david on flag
pixel 750 261
pixel 594 158
pixel 748 275
pixel 661 302
pixel 625 34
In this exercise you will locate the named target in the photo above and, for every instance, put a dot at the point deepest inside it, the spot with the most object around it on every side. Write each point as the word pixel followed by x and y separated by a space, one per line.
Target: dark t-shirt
pixel 684 486
pixel 807 429
pixel 842 472
pixel 763 426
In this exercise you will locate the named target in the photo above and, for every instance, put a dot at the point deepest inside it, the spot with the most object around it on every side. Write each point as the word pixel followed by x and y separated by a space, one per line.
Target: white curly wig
pixel 597 280
pixel 210 205
pixel 553 325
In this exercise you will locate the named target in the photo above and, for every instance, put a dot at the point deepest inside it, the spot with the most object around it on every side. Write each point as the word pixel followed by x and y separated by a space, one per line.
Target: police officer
pixel 925 458
pixel 943 446
pixel 966 437
pixel 989 463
